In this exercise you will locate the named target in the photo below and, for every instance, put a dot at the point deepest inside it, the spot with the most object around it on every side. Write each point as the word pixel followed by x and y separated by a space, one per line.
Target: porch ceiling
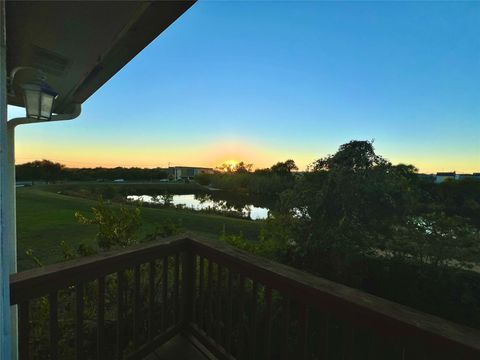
pixel 81 44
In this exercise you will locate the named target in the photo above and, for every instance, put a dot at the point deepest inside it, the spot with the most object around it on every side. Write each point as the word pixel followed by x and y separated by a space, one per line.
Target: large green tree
pixel 354 205
pixel 348 204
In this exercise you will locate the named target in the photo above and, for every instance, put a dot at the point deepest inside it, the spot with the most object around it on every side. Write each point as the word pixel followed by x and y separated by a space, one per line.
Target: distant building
pixel 442 176
pixel 187 172
pixel 427 178
pixel 463 176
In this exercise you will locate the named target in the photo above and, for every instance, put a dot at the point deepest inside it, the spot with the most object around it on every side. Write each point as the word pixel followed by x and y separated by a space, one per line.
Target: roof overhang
pixel 80 45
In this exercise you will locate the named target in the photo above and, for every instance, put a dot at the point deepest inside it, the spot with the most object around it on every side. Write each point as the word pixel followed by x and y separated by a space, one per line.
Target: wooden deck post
pixel 5 246
pixel 188 283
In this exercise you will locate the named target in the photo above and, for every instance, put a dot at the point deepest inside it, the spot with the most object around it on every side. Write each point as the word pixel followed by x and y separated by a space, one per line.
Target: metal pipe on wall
pixel 5 189
pixel 9 204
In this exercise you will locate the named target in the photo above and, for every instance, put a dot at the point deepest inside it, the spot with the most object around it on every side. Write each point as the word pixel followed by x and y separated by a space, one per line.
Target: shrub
pixel 116 227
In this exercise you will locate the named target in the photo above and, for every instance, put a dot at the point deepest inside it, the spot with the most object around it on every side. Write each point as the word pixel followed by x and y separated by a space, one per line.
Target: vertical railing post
pixel 79 316
pixel 136 307
pixel 151 300
pixel 101 318
pixel 188 284
pixel 24 330
pixel 120 313
pixel 5 193
pixel 54 335
pixel 165 268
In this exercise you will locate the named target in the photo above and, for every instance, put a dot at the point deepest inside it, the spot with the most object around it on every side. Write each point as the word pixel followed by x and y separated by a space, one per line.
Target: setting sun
pixel 228 165
pixel 231 162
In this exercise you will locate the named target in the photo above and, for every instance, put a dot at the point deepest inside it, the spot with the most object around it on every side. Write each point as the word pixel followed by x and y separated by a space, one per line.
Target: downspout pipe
pixel 5 313
pixel 9 205
pixel 11 125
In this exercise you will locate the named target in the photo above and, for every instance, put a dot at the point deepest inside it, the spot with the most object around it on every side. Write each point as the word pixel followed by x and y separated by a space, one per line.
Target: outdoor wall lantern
pixel 39 99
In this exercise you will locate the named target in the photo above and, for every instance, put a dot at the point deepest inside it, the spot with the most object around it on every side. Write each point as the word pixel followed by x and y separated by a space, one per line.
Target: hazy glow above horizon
pixel 262 82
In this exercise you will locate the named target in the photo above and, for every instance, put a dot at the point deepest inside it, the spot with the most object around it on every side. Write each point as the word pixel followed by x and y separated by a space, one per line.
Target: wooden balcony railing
pixel 115 305
pixel 126 303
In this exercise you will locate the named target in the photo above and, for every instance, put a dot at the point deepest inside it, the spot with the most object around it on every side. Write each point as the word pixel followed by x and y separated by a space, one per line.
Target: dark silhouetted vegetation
pixel 241 178
pixel 355 218
pixel 49 171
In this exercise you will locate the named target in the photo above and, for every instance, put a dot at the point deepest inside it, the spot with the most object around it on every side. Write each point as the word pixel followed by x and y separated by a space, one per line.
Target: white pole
pixel 11 225
pixel 5 189
pixel 9 208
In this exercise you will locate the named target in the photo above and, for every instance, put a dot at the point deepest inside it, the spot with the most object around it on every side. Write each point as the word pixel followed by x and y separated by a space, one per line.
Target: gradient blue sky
pixel 267 81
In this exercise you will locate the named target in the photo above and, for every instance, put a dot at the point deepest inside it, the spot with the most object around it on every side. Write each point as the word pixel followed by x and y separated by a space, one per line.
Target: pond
pixel 205 202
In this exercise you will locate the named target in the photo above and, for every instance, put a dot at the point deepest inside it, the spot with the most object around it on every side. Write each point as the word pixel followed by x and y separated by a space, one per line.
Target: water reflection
pixel 203 202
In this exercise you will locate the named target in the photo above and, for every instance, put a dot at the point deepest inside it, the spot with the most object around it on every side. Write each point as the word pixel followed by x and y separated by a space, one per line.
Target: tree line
pixel 241 178
pixel 50 171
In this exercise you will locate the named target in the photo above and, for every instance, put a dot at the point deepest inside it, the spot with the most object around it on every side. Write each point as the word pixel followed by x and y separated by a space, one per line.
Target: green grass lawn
pixel 45 218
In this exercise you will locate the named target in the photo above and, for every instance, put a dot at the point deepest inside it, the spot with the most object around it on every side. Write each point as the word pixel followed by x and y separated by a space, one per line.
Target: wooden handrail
pixel 380 315
pixel 31 284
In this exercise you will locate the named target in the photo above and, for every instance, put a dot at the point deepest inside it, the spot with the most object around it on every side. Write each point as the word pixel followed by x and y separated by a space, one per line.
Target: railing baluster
pixel 324 338
pixel 194 288
pixel 286 323
pixel 120 294
pixel 177 286
pixel 253 328
pixel 303 328
pixel 218 305
pixel 268 322
pixel 241 314
pixel 100 317
pixel 347 335
pixel 208 325
pixel 187 288
pixel 79 320
pixel 228 325
pixel 53 302
pixel 136 306
pixel 24 330
pixel 164 293
pixel 151 299
pixel 201 285
pixel 371 352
